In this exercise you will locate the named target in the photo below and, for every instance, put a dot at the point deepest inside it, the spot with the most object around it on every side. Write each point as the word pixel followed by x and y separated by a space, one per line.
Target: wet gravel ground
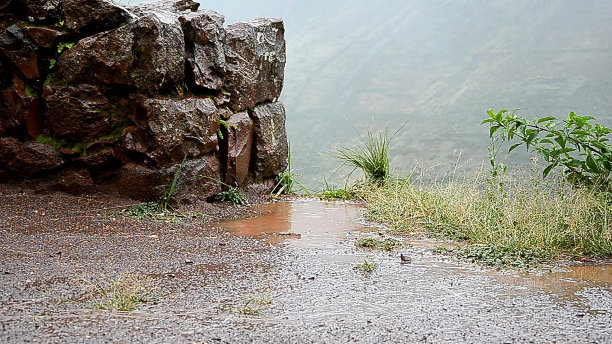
pixel 57 250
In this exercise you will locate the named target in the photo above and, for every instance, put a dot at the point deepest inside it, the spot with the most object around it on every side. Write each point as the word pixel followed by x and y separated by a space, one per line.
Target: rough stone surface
pixel 255 62
pixel 204 36
pixel 199 179
pixel 108 158
pixel 142 91
pixel 77 113
pixel 27 158
pixel 43 36
pixel 20 115
pixel 42 10
pixel 239 144
pixel 5 74
pixel 20 51
pixel 170 129
pixel 146 55
pixel 271 147
pixel 93 15
pixel 168 6
pixel 142 182
pixel 73 181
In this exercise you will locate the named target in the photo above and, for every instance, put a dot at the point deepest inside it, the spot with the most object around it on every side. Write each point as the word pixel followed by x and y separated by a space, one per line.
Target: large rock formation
pixel 95 96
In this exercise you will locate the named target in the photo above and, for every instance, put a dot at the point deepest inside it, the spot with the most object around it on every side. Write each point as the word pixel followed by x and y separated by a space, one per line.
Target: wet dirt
pixel 299 256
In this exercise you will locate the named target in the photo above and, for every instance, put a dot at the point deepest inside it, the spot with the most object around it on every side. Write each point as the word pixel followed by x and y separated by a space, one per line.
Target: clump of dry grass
pixel 513 214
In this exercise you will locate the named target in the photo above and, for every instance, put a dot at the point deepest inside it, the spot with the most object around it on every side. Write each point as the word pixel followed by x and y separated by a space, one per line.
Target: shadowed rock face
pixel 87 110
pixel 125 96
pixel 27 158
pixel 204 36
pixel 20 51
pixel 20 115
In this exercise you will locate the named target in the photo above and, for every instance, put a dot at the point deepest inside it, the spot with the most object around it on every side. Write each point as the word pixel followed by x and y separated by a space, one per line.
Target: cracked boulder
pixel 27 158
pixel 239 143
pixel 169 130
pixel 147 55
pixel 255 62
pixel 204 35
pixel 271 147
pixel 78 113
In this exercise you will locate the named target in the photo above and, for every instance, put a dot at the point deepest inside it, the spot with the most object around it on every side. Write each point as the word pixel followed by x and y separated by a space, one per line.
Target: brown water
pixel 333 228
pixel 304 223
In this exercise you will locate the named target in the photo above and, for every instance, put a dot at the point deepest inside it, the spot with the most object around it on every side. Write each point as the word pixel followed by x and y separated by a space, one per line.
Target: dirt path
pixel 294 265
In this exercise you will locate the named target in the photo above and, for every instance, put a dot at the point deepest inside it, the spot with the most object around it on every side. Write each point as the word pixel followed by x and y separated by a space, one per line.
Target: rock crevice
pixel 98 97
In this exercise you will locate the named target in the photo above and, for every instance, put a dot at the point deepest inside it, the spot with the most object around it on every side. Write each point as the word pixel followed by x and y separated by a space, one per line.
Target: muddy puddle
pixel 304 223
pixel 329 230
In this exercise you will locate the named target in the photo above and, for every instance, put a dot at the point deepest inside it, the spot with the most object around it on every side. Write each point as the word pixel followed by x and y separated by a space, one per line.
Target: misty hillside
pixel 437 64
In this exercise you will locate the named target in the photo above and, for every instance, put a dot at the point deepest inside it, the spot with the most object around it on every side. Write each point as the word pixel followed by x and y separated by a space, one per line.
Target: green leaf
pixel 560 141
pixel 592 164
pixel 546 119
pixel 514 147
pixel 493 130
pixel 548 169
pixel 530 138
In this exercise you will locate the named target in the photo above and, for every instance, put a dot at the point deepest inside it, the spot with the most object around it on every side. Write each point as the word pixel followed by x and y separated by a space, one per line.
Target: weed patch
pixel 495 255
pixel 232 196
pixel 126 293
pixel 388 244
pixel 337 194
pixel 255 305
pixel 366 267
pixel 153 211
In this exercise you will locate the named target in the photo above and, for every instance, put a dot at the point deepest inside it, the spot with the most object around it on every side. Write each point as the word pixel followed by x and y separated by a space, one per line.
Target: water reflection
pixel 302 223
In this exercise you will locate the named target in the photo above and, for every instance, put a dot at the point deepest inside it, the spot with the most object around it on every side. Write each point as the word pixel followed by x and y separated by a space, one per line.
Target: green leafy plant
pixel 582 148
pixel 64 46
pixel 232 196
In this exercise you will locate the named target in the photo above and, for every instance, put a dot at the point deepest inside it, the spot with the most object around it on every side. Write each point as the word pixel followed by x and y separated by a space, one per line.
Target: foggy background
pixel 438 65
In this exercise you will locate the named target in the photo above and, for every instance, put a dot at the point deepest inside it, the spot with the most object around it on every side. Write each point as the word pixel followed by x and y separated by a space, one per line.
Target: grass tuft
pixel 371 155
pixel 366 267
pixel 125 293
pixel 255 305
